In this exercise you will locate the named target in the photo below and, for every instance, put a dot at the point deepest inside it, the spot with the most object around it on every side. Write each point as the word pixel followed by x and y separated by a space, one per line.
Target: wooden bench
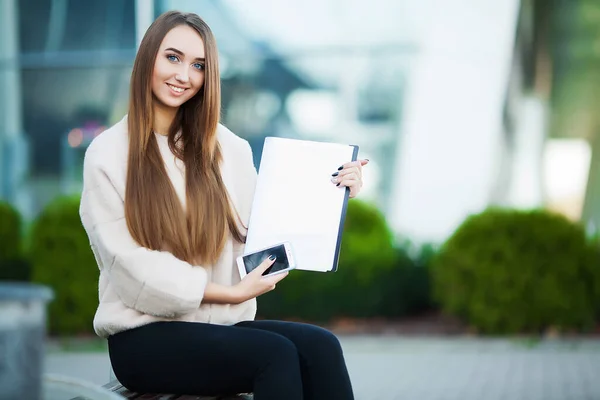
pixel 116 387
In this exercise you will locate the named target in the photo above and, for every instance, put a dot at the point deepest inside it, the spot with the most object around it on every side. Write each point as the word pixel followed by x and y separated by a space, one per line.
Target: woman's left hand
pixel 350 175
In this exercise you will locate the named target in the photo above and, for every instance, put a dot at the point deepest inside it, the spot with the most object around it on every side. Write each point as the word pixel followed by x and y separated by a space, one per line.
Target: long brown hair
pixel 154 214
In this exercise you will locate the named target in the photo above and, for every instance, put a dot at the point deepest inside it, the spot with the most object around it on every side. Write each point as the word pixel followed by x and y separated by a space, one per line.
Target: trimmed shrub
pixel 63 260
pixel 510 271
pixel 408 287
pixel 10 232
pixel 367 258
pixel 595 244
pixel 13 266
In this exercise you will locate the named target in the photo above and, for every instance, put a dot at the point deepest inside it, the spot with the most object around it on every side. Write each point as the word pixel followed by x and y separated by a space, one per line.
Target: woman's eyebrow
pixel 174 50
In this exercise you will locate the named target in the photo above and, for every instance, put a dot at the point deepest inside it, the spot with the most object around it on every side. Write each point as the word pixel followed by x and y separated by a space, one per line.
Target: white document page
pixel 296 201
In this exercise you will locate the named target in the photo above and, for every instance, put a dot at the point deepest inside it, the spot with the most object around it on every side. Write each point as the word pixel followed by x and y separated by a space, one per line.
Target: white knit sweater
pixel 138 286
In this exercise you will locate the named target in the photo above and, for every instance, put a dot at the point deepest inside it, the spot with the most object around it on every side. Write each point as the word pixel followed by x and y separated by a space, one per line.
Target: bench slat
pixel 149 396
pixel 123 391
pixel 116 387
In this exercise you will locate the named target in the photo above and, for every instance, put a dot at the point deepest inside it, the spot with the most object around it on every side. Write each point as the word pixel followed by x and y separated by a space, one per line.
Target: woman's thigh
pixel 195 358
pixel 324 371
pixel 309 339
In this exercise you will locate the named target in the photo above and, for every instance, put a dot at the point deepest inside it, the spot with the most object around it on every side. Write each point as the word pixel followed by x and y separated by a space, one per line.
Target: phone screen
pixel 253 260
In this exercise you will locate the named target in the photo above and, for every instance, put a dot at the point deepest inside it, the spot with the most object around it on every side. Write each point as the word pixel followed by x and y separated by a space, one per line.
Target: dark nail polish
pixel 272 257
pixel 337 184
pixel 335 174
pixel 341 168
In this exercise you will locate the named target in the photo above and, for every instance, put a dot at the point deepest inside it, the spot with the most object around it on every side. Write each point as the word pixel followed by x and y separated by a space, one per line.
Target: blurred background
pixel 481 206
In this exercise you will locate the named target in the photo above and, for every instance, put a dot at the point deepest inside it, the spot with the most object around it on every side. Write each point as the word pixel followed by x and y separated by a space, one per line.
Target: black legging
pixel 275 360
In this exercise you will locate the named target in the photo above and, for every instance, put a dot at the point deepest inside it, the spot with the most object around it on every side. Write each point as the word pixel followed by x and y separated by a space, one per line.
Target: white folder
pixel 295 201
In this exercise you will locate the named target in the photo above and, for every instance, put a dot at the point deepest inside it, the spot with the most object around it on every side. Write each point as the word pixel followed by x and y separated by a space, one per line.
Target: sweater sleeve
pixel 152 282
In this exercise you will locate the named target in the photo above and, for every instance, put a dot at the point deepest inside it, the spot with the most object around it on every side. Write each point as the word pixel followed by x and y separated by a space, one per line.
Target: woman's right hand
pixel 254 284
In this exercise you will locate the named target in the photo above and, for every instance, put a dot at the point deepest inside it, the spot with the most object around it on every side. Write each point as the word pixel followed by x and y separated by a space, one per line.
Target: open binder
pixel 295 201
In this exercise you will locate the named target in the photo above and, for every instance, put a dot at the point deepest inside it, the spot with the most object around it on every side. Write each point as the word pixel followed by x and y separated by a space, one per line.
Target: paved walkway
pixel 390 368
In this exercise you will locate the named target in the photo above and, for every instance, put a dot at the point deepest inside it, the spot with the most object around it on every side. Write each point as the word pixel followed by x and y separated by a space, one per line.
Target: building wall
pixel 452 134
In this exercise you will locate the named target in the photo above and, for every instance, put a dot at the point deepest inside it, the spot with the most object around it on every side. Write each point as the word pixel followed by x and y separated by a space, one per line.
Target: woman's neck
pixel 163 117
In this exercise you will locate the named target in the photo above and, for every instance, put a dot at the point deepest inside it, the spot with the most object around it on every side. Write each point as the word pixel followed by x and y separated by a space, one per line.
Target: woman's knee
pixel 323 340
pixel 281 350
pixel 280 369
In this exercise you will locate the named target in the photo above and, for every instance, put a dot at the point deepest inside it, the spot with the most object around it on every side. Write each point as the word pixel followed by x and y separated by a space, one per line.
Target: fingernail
pixel 341 168
pixel 333 180
pixel 272 257
pixel 337 184
pixel 366 159
pixel 335 174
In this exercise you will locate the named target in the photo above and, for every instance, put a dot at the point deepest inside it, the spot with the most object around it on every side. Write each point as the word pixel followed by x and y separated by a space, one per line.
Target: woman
pixel 167 193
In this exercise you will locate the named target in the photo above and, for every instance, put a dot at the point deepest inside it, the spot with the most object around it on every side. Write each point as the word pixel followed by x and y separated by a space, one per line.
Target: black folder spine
pixel 343 219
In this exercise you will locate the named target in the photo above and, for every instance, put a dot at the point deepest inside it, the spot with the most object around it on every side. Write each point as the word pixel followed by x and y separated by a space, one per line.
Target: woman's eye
pixel 172 58
pixel 198 66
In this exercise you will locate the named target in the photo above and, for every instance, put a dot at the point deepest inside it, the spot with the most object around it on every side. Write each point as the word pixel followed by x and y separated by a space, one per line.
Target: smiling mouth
pixel 176 89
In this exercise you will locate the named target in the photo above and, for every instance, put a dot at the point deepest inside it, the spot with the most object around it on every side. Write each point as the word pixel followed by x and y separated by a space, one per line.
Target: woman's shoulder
pixel 232 145
pixel 227 138
pixel 110 145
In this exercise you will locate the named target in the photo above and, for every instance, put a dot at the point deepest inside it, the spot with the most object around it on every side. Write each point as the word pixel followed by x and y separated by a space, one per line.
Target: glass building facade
pixel 73 61
pixel 439 102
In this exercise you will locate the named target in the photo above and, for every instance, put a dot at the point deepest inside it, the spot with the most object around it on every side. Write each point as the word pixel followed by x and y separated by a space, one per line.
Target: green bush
pixel 10 232
pixel 407 290
pixel 13 266
pixel 367 258
pixel 509 271
pixel 62 259
pixel 595 244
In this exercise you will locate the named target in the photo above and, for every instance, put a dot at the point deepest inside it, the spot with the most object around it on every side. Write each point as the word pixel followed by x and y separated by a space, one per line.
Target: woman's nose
pixel 182 77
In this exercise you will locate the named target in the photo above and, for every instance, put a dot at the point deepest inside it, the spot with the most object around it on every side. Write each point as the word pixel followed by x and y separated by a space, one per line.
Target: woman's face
pixel 179 67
